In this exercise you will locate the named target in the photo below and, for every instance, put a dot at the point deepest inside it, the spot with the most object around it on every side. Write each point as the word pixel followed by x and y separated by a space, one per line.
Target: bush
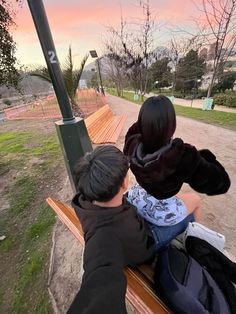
pixel 225 100
pixel 201 93
pixel 7 102
pixel 178 95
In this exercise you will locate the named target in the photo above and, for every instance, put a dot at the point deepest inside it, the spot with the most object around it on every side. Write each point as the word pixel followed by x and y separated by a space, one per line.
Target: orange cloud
pixel 81 23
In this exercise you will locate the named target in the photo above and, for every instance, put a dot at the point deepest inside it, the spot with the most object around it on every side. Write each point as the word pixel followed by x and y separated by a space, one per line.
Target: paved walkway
pixel 196 103
pixel 219 212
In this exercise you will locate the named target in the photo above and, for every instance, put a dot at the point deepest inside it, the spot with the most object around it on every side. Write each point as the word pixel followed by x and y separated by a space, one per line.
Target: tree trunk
pixel 118 91
pixel 209 91
pixel 77 111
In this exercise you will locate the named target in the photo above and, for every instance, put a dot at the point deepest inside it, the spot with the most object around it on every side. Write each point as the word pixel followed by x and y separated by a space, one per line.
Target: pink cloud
pixel 82 23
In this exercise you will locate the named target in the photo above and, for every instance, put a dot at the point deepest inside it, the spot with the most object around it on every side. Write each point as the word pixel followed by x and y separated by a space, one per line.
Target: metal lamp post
pixel 93 54
pixel 72 132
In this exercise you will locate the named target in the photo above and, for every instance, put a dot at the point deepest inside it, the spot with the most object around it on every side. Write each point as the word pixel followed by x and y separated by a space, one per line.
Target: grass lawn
pixel 218 118
pixel 126 95
pixel 30 163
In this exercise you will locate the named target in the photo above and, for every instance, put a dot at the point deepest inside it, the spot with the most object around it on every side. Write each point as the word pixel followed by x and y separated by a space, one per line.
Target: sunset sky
pixel 82 24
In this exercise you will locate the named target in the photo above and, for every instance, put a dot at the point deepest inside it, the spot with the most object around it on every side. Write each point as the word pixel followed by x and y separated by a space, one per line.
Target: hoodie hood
pixel 160 173
pixel 158 165
pixel 124 223
pixel 93 217
pixel 161 161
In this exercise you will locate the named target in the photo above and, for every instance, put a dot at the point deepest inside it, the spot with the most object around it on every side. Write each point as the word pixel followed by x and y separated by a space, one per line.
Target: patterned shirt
pixel 165 212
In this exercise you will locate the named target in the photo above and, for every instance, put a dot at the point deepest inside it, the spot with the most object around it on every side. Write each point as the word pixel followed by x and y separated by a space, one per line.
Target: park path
pixel 219 212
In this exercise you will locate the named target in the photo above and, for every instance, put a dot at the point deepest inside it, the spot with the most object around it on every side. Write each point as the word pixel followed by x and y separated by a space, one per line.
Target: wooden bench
pixel 140 293
pixel 103 126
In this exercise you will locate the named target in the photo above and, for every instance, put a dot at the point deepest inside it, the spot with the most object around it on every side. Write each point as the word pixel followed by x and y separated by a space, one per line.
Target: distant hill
pixel 28 85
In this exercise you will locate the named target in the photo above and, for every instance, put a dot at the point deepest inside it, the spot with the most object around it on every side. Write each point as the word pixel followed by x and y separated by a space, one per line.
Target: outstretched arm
pixel 103 285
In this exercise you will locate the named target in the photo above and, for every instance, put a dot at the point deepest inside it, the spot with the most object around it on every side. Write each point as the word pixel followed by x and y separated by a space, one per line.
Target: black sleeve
pixel 209 175
pixel 103 285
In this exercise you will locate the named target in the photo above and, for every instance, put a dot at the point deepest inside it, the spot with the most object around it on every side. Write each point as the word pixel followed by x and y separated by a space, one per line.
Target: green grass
pixel 28 161
pixel 27 143
pixel 28 276
pixel 4 167
pixel 13 142
pixel 6 245
pixel 41 226
pixel 48 146
pixel 126 95
pixel 24 191
pixel 218 118
pixel 43 305
pixel 34 266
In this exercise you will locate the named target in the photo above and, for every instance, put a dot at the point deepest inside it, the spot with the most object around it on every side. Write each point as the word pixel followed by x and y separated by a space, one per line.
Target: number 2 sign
pixel 52 56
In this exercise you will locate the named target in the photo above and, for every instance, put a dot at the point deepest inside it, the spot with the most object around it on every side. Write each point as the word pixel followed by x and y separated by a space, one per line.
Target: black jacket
pixel 163 173
pixel 114 237
pixel 222 269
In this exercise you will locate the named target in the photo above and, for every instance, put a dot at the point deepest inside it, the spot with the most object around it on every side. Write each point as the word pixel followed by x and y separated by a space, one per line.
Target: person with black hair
pixel 161 164
pixel 114 234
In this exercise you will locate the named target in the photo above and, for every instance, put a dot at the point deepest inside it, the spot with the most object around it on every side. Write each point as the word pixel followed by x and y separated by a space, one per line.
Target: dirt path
pixel 219 211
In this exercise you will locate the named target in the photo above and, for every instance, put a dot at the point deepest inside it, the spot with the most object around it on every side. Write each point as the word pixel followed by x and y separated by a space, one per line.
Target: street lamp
pixel 93 54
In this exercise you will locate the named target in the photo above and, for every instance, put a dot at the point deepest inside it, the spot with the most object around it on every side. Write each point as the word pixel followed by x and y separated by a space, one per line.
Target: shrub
pixel 201 93
pixel 7 102
pixel 225 100
pixel 178 95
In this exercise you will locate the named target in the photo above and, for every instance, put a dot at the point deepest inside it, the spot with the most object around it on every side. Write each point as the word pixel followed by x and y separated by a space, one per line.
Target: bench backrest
pixel 100 116
pixel 139 290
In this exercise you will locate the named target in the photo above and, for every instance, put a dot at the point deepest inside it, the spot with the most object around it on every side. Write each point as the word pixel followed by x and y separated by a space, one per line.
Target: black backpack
pixel 185 286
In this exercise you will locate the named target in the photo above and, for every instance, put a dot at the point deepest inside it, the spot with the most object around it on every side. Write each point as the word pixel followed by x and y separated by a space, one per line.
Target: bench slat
pixel 103 126
pixel 101 115
pixel 139 292
pixel 110 131
pixel 99 125
pixel 105 133
pixel 96 115
pixel 119 127
pixel 101 129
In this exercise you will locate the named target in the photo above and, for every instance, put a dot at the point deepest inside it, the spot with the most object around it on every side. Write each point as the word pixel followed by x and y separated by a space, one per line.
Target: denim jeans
pixel 164 235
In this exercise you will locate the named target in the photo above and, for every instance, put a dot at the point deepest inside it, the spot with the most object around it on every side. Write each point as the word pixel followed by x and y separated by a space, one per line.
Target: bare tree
pixel 178 48
pixel 219 30
pixel 113 65
pixel 146 41
pixel 134 46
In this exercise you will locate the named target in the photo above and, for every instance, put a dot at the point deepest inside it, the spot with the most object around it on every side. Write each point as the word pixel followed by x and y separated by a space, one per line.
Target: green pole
pixel 100 76
pixel 72 132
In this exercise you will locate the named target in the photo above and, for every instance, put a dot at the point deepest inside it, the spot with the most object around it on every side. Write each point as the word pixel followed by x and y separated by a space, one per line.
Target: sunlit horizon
pixel 82 25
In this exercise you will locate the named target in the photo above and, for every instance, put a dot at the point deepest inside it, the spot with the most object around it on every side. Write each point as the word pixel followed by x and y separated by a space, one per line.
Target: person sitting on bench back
pixel 114 234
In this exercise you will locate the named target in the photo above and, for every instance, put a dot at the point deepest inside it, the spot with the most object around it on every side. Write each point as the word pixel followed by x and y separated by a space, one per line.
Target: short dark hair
pixel 100 174
pixel 157 122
